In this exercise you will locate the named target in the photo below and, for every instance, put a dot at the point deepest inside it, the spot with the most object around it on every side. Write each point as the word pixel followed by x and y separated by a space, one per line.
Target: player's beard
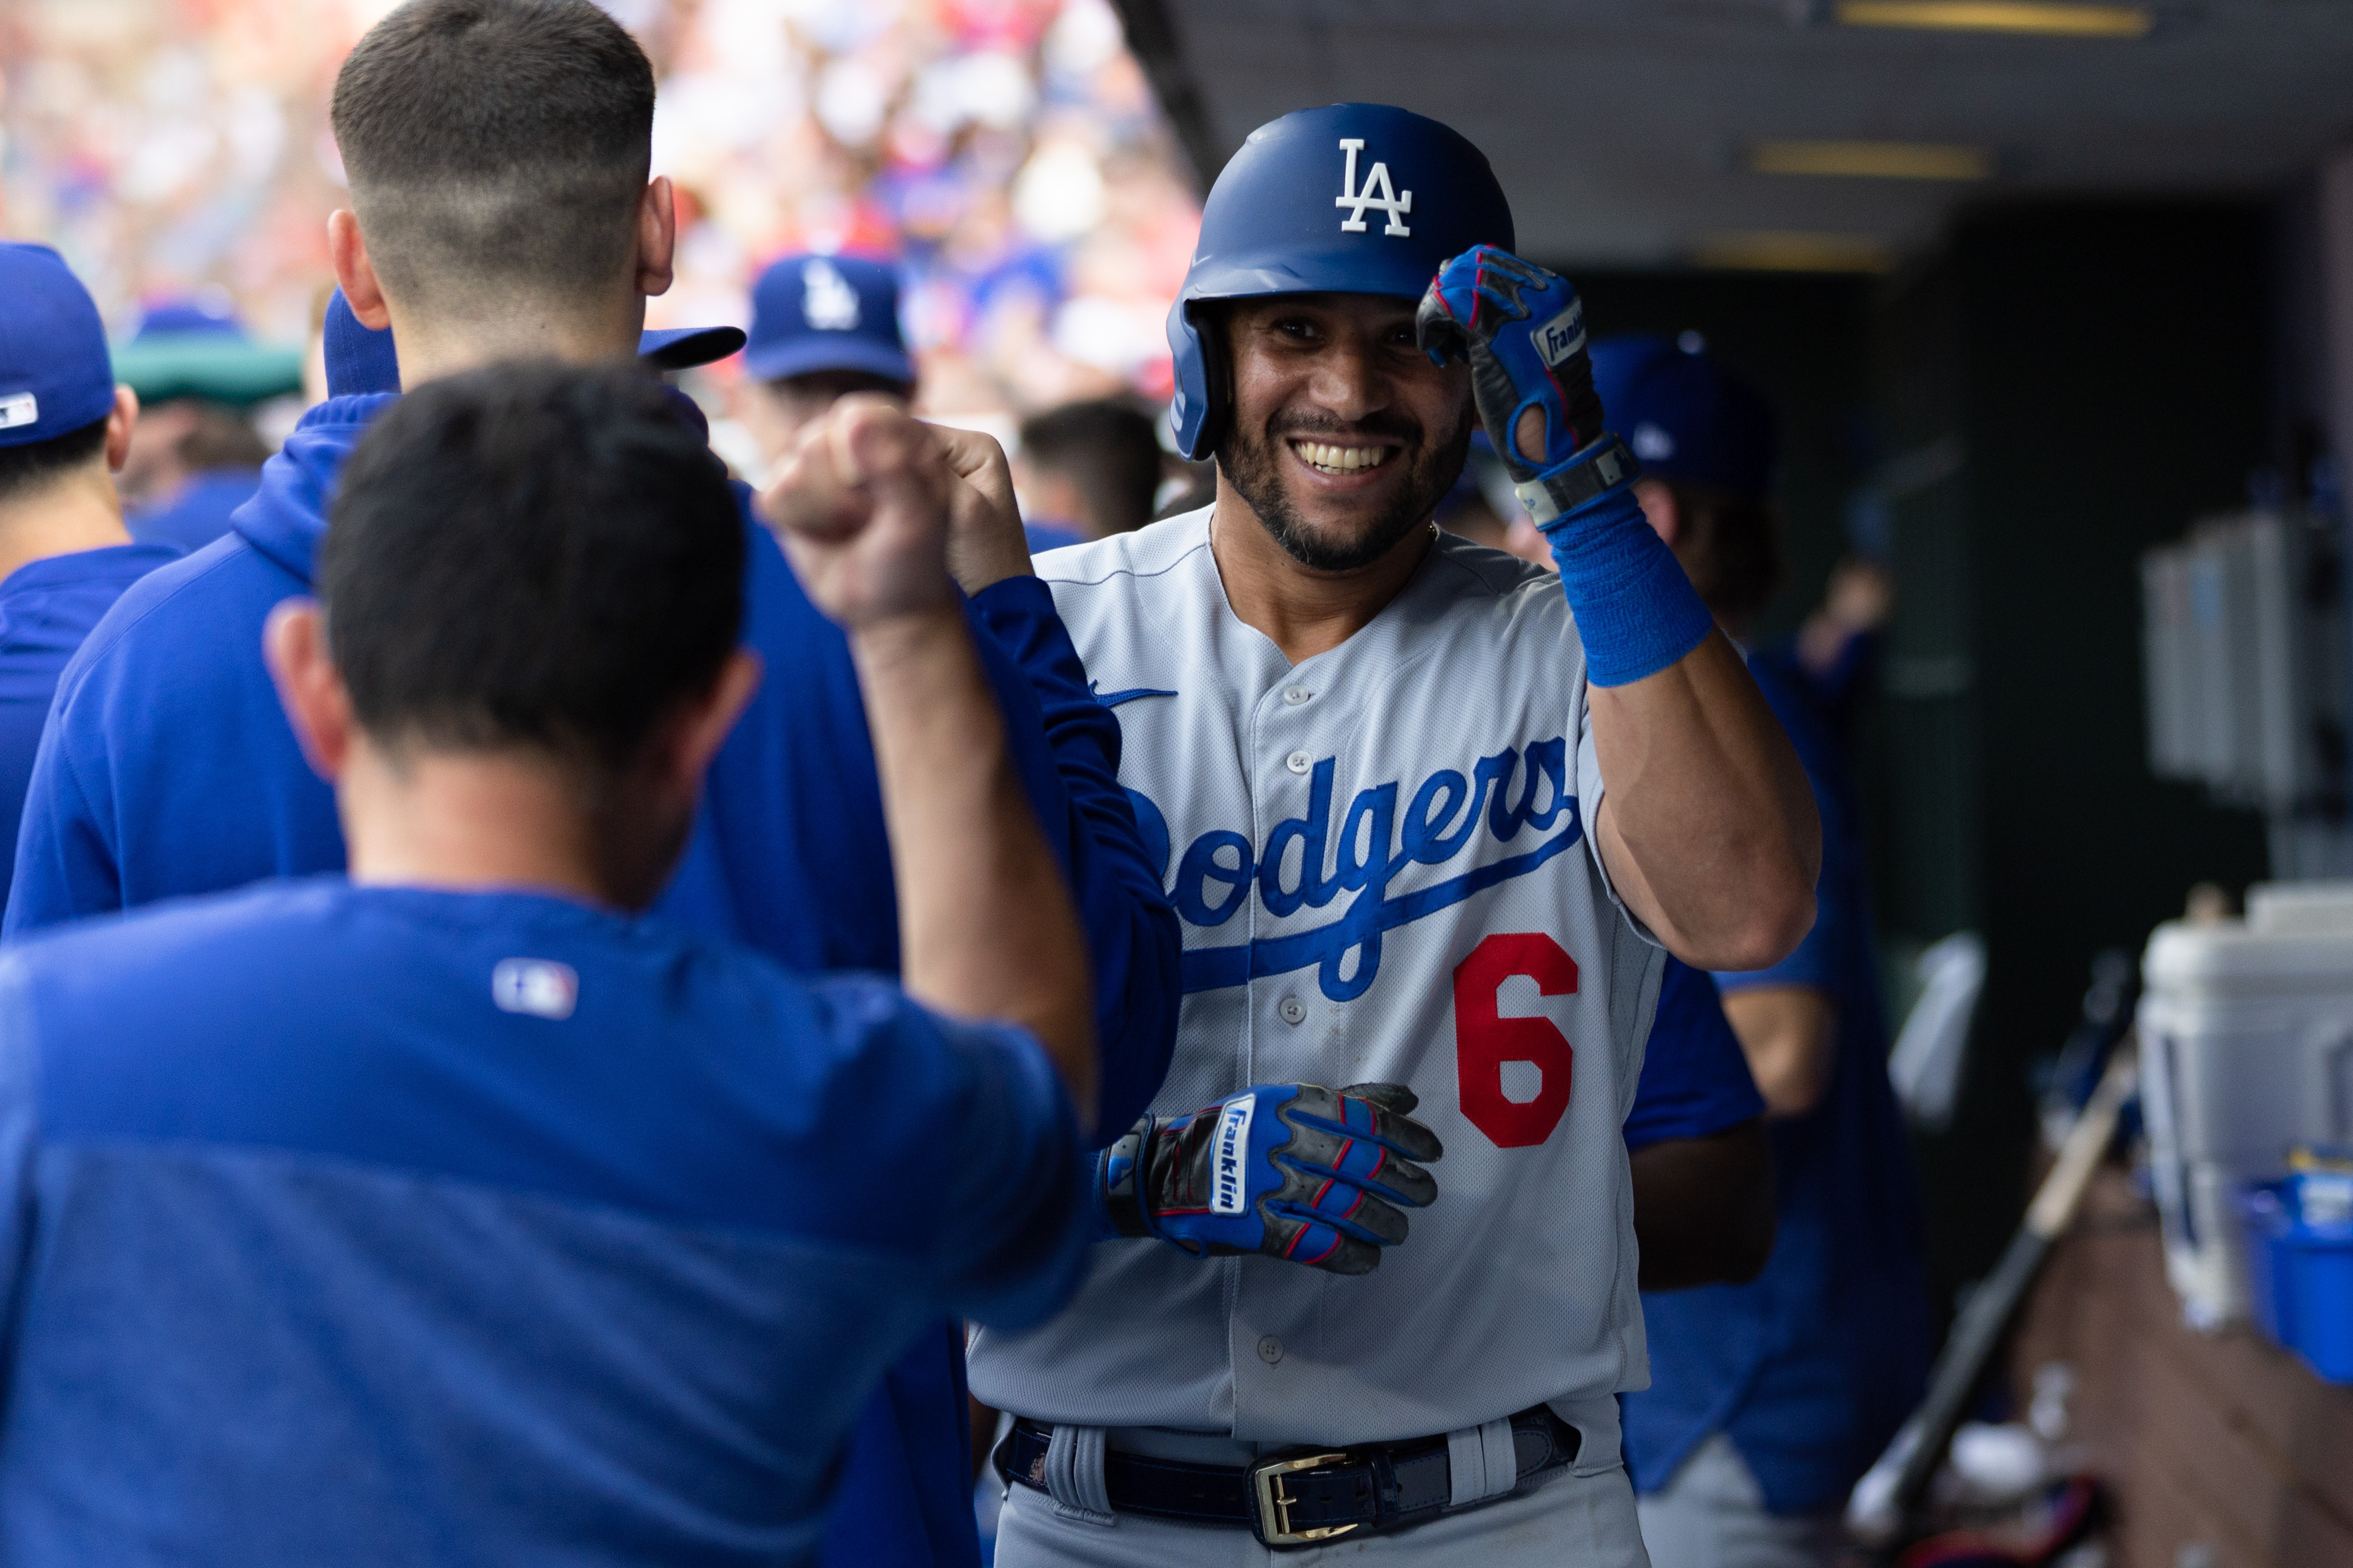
pixel 1253 464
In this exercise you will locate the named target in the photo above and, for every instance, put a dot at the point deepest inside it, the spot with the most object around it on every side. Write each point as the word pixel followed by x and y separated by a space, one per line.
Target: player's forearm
pixel 986 925
pixel 1707 825
pixel 1789 1035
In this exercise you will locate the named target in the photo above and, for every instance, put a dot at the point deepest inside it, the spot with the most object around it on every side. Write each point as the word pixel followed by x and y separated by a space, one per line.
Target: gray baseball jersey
pixel 1382 862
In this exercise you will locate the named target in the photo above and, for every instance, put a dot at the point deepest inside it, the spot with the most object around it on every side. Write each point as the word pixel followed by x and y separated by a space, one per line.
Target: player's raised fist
pixel 862 508
pixel 1289 1171
pixel 1522 330
pixel 986 543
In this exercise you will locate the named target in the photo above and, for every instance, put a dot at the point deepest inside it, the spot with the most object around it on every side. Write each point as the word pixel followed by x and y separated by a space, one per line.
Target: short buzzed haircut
pixel 532 555
pixel 34 466
pixel 496 148
pixel 1109 448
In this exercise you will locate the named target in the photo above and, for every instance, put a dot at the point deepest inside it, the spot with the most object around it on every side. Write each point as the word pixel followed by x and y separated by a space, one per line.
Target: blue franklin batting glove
pixel 1522 330
pixel 1289 1171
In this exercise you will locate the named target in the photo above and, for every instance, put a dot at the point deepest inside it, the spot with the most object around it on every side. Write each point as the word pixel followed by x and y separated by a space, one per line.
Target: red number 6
pixel 1483 1041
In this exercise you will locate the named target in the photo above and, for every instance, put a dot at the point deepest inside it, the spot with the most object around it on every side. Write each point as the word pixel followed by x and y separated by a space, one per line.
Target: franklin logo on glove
pixel 1564 336
pixel 1233 1149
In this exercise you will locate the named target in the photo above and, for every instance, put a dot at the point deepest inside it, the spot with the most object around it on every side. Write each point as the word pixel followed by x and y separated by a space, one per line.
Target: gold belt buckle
pixel 1271 1489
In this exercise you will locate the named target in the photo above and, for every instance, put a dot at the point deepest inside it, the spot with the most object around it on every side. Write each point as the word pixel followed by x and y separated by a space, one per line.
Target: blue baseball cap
pixel 1686 417
pixel 56 376
pixel 361 358
pixel 684 348
pixel 827 312
pixel 186 318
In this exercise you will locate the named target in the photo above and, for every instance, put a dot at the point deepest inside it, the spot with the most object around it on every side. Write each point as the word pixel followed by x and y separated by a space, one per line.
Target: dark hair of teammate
pixel 220 437
pixel 1109 449
pixel 27 468
pixel 496 146
pixel 1730 547
pixel 531 555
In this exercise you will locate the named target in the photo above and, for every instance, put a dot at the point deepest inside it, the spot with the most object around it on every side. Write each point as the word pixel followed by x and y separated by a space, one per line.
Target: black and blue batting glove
pixel 1289 1171
pixel 1522 330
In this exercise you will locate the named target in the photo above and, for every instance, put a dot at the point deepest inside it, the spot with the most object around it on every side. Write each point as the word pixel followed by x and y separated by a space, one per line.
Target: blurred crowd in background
pixel 1006 154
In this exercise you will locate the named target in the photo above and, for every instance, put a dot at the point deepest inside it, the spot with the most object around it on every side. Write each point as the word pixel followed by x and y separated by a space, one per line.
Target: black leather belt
pixel 1299 1497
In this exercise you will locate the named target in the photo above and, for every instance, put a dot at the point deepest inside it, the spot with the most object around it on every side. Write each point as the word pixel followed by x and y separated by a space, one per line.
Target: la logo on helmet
pixel 1375 191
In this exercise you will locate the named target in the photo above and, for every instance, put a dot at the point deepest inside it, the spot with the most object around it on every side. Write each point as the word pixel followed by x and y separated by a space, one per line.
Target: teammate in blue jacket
pixel 449 1211
pixel 65 553
pixel 497 151
pixel 1767 1400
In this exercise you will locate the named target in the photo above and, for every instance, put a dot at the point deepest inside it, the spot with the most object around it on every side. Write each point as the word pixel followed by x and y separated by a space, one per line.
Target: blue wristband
pixel 1636 612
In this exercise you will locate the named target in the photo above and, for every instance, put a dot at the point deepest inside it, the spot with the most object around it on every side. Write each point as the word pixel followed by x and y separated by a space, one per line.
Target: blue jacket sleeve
pixel 65 862
pixel 19 1144
pixel 1132 932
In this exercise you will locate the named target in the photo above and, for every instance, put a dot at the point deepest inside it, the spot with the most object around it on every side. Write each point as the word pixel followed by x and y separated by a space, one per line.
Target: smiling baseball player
pixel 1428 820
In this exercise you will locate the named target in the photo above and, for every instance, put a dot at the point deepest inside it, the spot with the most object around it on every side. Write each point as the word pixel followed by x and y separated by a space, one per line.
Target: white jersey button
pixel 1299 762
pixel 1295 695
pixel 1269 1350
pixel 1291 1009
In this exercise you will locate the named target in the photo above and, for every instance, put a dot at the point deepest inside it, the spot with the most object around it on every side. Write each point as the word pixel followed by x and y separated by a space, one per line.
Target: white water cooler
pixel 2246 1046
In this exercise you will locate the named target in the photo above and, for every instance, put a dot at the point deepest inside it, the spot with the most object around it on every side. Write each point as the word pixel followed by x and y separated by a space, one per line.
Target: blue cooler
pixel 2300 1268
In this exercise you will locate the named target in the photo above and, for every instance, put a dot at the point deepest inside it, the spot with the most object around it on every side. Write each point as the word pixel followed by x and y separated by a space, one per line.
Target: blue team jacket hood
pixel 287 517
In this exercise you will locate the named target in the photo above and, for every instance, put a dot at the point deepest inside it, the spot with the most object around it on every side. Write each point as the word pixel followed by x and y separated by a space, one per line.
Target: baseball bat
pixel 1880 1509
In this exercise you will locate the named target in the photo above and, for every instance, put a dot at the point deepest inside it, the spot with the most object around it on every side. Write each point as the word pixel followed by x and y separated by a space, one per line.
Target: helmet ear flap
pixel 1204 378
pixel 1217 375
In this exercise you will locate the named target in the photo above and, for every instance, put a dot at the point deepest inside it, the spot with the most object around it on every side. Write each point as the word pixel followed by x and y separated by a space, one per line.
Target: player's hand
pixel 1289 1171
pixel 1522 330
pixel 986 543
pixel 862 508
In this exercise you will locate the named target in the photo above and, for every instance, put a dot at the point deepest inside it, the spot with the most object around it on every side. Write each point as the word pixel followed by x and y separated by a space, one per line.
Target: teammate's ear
pixel 121 420
pixel 703 723
pixel 657 237
pixel 319 708
pixel 347 249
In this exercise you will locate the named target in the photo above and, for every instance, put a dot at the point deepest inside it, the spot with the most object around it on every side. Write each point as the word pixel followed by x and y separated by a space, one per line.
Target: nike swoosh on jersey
pixel 1113 698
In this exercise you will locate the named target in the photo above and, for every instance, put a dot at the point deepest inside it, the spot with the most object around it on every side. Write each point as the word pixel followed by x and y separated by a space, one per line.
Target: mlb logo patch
pixel 538 986
pixel 19 408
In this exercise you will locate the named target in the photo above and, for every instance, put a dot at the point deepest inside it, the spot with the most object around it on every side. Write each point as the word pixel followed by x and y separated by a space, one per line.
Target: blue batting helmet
pixel 1359 198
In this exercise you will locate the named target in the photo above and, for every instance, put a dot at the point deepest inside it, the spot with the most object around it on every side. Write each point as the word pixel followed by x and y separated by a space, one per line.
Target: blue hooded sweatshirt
pixel 168 768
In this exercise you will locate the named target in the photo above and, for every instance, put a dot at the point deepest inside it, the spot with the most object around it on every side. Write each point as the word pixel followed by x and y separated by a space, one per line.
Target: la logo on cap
pixel 1375 191
pixel 827 302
